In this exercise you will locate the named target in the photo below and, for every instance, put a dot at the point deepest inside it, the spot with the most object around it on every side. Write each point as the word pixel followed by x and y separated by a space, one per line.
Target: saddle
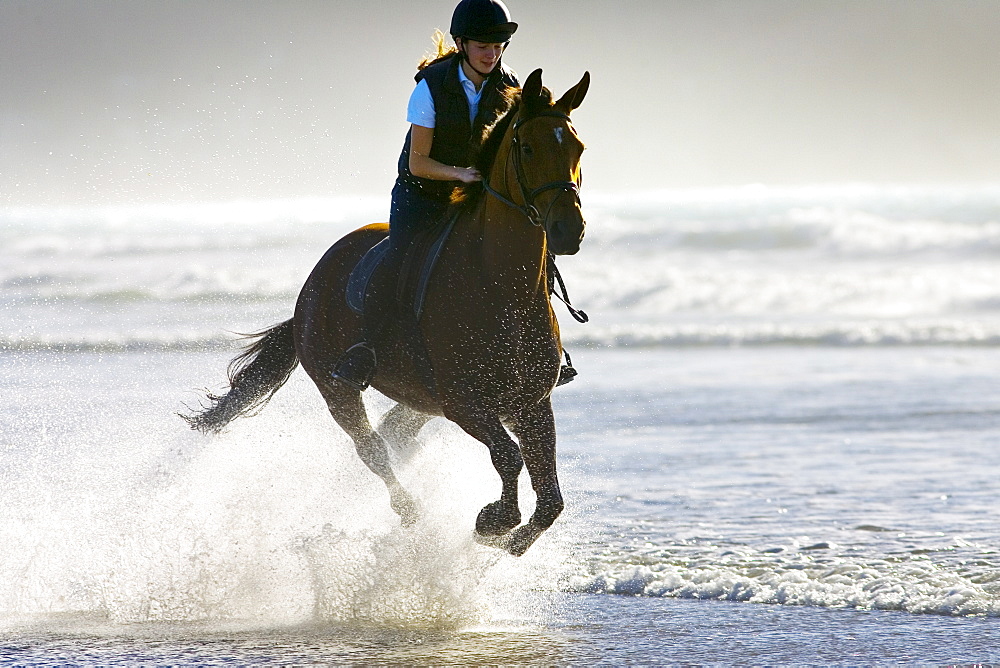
pixel 411 290
pixel 414 275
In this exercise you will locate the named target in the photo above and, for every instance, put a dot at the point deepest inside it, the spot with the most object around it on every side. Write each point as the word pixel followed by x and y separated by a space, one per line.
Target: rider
pixel 459 92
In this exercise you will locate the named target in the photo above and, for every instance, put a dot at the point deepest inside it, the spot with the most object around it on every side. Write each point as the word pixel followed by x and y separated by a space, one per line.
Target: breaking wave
pixel 848 265
pixel 964 582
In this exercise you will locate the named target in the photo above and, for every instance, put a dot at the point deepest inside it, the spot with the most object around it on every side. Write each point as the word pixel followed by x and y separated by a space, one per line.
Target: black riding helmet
pixel 482 21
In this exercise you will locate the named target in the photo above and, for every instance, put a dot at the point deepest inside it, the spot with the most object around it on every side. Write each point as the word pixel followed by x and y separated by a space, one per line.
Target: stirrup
pixel 566 371
pixel 566 374
pixel 356 369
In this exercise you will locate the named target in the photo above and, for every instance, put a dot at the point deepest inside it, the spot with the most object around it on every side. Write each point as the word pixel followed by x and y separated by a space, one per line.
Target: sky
pixel 115 101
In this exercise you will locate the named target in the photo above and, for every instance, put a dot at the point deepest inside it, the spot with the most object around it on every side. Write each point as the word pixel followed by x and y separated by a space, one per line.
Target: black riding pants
pixel 412 212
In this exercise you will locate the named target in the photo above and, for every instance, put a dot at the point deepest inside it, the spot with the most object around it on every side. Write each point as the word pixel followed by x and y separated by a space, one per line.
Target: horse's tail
pixel 254 376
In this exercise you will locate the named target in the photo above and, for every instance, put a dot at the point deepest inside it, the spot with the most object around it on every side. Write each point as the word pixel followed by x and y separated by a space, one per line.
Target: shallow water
pixel 843 478
pixel 835 506
pixel 593 629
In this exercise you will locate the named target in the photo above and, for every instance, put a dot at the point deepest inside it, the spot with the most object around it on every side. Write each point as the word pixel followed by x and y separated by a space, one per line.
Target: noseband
pixel 528 196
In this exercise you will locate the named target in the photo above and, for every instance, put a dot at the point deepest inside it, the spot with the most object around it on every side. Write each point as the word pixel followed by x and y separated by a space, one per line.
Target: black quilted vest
pixel 455 138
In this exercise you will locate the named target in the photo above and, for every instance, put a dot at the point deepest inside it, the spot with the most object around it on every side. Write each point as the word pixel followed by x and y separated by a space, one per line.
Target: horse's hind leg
pixel 536 431
pixel 400 425
pixel 348 410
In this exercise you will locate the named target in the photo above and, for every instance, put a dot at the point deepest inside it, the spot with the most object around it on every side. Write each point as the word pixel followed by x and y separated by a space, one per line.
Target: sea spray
pixel 275 522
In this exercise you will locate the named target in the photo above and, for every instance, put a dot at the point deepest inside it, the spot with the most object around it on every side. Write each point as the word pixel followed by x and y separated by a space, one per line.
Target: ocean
pixel 781 448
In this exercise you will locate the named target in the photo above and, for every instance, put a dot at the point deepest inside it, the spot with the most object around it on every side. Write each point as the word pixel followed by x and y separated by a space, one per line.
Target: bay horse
pixel 490 336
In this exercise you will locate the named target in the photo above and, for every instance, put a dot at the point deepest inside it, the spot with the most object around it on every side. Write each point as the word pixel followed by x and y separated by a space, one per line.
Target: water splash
pixel 274 523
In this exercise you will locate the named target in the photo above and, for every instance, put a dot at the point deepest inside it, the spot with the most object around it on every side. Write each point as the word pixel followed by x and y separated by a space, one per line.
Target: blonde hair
pixel 441 50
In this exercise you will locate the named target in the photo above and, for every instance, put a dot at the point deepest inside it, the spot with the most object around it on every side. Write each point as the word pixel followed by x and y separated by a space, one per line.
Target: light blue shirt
pixel 420 110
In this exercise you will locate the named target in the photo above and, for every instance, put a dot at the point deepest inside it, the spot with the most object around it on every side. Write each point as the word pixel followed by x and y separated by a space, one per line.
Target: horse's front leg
pixel 501 516
pixel 536 430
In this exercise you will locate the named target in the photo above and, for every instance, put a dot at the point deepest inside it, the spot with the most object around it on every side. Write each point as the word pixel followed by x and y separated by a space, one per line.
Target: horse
pixel 490 336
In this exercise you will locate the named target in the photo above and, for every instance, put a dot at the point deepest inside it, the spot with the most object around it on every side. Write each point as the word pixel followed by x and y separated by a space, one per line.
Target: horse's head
pixel 544 161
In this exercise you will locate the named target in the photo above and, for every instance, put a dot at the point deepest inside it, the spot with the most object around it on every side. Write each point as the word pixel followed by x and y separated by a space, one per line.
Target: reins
pixel 577 314
pixel 528 208
pixel 531 212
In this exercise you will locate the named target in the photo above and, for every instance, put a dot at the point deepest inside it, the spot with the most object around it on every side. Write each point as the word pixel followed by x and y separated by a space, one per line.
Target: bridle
pixel 528 196
pixel 531 211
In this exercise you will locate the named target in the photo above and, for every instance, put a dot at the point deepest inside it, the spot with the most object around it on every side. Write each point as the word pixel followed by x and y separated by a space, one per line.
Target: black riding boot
pixel 412 212
pixel 356 367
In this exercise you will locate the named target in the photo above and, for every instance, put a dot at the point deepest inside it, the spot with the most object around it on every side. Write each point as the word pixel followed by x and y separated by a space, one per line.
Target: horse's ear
pixel 574 96
pixel 532 88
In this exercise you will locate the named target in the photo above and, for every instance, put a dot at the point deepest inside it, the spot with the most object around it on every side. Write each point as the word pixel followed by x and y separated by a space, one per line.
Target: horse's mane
pixel 493 134
pixel 492 138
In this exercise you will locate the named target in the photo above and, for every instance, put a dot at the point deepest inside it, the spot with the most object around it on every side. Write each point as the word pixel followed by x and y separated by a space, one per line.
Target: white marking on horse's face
pixel 559 135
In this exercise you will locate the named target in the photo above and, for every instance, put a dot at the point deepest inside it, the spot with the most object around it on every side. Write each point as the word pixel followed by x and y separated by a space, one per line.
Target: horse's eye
pixel 526 150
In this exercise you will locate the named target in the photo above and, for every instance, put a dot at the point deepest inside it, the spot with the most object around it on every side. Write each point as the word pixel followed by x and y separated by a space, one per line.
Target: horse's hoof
pixel 515 543
pixel 497 518
pixel 521 539
pixel 498 542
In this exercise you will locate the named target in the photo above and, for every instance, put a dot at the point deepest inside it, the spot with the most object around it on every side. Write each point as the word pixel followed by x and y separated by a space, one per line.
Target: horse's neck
pixel 508 252
pixel 512 251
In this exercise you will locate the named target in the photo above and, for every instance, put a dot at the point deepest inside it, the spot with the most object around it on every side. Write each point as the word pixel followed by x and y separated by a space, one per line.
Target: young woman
pixel 459 92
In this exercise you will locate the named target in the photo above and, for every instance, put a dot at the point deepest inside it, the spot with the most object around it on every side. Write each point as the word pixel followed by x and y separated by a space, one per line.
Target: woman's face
pixel 484 56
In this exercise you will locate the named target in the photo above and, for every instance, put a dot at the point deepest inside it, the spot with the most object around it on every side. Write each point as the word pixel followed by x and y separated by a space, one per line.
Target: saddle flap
pixel 415 272
pixel 361 275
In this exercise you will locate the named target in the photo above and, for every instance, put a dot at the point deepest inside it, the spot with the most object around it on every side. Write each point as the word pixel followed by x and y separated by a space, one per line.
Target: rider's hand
pixel 468 174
